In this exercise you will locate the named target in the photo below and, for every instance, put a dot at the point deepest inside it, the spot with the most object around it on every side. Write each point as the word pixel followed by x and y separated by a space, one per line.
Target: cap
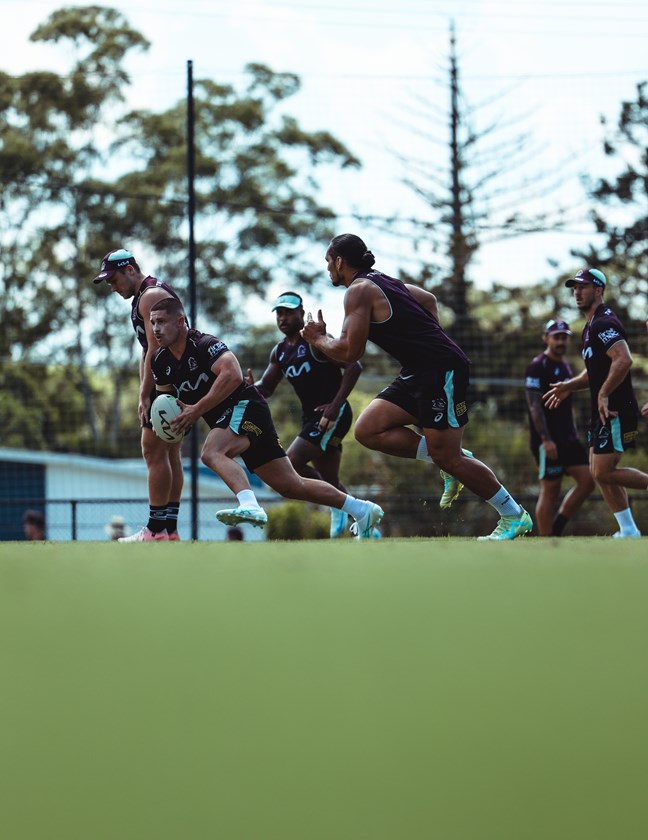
pixel 112 262
pixel 585 276
pixel 557 327
pixel 288 300
pixel 117 527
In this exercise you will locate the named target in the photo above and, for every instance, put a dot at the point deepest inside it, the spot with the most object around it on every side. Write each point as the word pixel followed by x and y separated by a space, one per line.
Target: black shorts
pixel 436 398
pixel 250 417
pixel 332 437
pixel 570 454
pixel 617 435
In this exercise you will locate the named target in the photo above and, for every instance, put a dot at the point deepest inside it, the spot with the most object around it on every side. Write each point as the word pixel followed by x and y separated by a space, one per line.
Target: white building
pixel 80 494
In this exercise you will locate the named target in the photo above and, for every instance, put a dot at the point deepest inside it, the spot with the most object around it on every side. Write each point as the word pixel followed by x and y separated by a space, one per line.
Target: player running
pixel 430 391
pixel 614 409
pixel 322 387
pixel 206 377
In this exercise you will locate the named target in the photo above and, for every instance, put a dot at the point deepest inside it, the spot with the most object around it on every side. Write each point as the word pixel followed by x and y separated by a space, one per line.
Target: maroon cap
pixel 586 276
pixel 557 327
pixel 112 262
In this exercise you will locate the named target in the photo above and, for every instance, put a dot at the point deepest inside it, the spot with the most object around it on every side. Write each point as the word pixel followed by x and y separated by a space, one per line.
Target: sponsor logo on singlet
pixel 188 385
pixel 293 372
pixel 608 335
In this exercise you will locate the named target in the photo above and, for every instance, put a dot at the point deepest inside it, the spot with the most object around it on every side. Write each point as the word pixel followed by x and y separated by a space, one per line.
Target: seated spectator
pixel 34 525
pixel 234 533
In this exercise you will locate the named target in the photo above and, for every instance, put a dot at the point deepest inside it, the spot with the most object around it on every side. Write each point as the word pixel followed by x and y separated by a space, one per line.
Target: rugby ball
pixel 163 410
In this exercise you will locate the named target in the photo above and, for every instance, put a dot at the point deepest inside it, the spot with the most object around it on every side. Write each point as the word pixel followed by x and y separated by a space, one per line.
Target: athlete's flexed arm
pixel 621 360
pixel 358 310
pixel 331 410
pixel 271 377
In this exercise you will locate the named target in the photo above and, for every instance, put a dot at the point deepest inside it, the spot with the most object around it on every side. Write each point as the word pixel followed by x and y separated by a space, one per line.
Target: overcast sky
pixel 554 66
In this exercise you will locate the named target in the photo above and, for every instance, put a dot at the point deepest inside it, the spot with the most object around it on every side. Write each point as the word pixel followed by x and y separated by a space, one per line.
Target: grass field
pixel 390 690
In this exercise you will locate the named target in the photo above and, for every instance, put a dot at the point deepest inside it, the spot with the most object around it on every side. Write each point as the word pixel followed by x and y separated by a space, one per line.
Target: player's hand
pixel 644 410
pixel 249 379
pixel 312 330
pixel 558 391
pixel 144 410
pixel 551 450
pixel 325 421
pixel 604 410
pixel 183 422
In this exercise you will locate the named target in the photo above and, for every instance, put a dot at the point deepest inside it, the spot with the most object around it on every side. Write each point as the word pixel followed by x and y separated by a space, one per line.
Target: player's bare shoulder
pixel 362 294
pixel 149 297
pixel 368 298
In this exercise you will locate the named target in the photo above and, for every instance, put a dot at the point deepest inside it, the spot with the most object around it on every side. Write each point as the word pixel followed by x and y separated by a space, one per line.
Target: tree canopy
pixel 620 211
pixel 82 175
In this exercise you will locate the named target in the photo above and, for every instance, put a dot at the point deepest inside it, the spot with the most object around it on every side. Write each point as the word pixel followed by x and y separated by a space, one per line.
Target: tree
pixel 48 148
pixel 620 213
pixel 66 193
pixel 475 197
pixel 255 189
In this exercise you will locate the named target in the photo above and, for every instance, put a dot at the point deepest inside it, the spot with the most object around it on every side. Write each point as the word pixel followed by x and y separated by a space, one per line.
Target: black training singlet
pixel 411 334
pixel 316 381
pixel 191 374
pixel 136 319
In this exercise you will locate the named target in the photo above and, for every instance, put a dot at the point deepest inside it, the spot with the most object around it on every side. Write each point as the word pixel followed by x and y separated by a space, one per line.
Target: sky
pixel 550 69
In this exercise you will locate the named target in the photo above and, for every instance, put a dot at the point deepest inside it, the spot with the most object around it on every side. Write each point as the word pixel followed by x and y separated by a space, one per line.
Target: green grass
pixel 390 690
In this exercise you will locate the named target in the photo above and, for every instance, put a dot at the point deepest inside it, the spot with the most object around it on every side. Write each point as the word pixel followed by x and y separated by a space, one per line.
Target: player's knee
pixel 288 487
pixel 364 433
pixel 210 458
pixel 600 473
pixel 154 455
pixel 444 459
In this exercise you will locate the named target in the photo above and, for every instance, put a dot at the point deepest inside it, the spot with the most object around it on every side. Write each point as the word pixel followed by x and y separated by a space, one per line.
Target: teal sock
pixel 626 521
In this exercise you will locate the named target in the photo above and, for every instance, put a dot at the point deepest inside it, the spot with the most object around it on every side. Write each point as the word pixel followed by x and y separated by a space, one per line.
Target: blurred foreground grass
pixel 389 690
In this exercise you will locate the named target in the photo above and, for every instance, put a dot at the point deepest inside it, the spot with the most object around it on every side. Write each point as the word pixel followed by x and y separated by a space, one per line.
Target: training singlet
pixel 411 334
pixel 136 319
pixel 603 331
pixel 316 381
pixel 541 373
pixel 191 374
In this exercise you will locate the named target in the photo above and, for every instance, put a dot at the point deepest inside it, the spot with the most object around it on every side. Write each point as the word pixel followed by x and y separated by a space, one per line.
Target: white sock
pixel 248 500
pixel 421 452
pixel 626 521
pixel 356 507
pixel 504 503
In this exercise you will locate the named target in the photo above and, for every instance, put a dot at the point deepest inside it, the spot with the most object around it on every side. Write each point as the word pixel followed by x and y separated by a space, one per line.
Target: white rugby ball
pixel 164 409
